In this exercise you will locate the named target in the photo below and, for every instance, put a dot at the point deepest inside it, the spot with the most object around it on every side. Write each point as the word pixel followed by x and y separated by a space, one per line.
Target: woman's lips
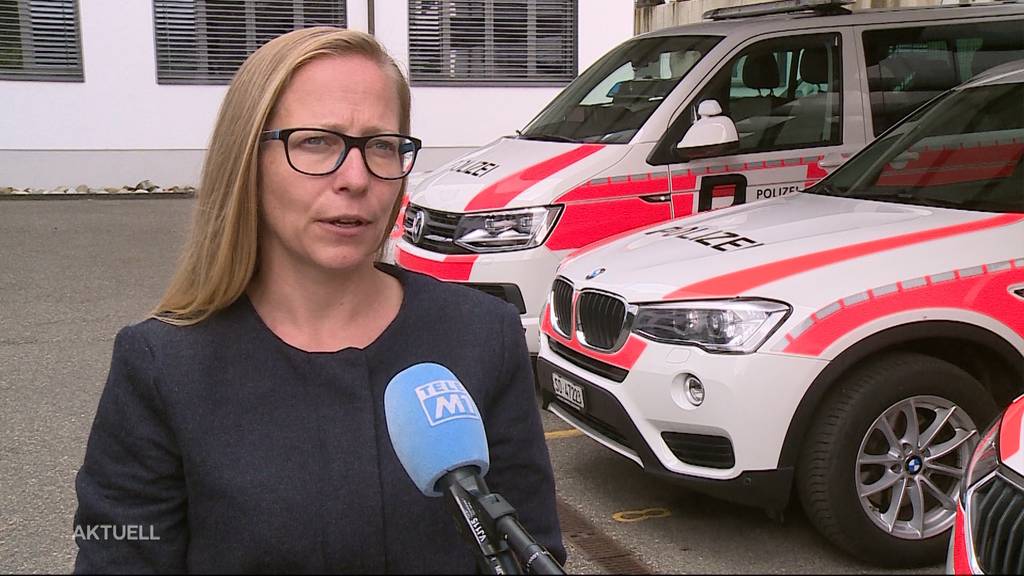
pixel 344 226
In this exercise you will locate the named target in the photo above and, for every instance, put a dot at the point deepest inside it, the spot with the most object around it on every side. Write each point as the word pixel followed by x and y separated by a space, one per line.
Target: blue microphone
pixel 434 425
pixel 439 437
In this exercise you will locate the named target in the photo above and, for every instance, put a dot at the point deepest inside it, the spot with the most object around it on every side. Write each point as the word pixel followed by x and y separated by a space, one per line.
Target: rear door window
pixel 906 67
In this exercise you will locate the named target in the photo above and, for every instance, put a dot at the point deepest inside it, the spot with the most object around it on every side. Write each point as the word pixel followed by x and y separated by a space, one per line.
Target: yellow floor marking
pixel 640 515
pixel 572 432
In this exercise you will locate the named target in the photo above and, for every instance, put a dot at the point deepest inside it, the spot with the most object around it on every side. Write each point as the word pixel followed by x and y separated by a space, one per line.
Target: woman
pixel 242 428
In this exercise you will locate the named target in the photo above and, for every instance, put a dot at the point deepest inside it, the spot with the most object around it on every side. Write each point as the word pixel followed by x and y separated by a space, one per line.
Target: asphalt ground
pixel 73 271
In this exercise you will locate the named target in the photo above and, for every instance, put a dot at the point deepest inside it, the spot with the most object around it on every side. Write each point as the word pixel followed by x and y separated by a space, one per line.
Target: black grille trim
pixel 997 524
pixel 508 292
pixel 601 319
pixel 561 300
pixel 438 230
pixel 702 450
pixel 613 373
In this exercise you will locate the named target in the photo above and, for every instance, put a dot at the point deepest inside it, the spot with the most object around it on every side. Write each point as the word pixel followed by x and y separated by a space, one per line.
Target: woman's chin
pixel 345 261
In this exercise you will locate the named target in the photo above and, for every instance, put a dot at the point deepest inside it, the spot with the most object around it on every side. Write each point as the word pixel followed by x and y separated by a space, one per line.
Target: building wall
pixel 119 126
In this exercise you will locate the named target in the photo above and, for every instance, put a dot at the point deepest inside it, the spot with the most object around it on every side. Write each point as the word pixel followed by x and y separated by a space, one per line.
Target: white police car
pixel 806 83
pixel 849 340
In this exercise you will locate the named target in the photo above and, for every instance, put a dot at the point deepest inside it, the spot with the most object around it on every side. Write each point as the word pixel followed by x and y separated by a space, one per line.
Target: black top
pixel 242 453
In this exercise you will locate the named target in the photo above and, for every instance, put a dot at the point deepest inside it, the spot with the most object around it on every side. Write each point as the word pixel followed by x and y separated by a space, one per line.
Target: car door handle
pixel 656 198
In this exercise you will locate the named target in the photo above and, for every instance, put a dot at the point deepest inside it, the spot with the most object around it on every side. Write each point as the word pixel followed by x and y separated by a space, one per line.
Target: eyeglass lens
pixel 318 152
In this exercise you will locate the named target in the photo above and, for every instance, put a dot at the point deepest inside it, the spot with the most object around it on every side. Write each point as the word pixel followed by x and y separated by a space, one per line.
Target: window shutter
pixel 205 41
pixel 39 40
pixel 498 42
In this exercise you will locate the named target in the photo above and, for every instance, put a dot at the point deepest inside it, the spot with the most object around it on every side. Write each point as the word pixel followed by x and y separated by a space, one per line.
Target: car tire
pixel 838 462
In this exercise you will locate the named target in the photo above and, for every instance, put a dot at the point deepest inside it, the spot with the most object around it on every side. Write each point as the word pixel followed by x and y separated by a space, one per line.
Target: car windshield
pixel 964 150
pixel 611 100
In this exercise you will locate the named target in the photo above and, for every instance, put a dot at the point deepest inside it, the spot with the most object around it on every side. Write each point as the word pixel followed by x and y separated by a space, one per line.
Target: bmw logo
pixel 914 465
pixel 595 273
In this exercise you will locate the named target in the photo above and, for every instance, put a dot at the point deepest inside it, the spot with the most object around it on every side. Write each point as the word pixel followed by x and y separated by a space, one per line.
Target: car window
pixel 908 66
pixel 964 150
pixel 781 93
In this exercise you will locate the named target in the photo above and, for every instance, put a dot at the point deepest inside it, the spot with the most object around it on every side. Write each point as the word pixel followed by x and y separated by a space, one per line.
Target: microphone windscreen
pixel 434 424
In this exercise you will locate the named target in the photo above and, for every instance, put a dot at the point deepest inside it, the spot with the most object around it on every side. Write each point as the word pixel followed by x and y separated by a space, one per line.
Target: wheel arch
pixel 982 353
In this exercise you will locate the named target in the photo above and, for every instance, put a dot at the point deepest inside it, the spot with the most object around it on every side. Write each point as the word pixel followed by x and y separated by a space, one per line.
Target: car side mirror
pixel 713 133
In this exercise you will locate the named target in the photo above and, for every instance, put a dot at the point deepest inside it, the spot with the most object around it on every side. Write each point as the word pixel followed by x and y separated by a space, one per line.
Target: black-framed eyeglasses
pixel 318 152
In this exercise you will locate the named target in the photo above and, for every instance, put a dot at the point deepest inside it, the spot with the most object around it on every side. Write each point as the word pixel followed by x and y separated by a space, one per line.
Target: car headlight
pixel 509 230
pixel 738 326
pixel 984 459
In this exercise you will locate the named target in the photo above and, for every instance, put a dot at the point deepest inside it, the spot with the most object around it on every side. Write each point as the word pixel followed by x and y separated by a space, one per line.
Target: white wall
pixel 120 107
pixel 603 24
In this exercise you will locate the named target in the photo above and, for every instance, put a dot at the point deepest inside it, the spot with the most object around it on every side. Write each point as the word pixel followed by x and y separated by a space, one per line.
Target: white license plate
pixel 571 392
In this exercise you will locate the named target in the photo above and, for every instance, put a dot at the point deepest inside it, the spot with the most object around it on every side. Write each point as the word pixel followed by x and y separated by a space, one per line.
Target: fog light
pixel 694 390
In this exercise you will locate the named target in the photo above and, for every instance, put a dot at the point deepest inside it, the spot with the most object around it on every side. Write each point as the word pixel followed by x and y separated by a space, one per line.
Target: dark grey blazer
pixel 241 453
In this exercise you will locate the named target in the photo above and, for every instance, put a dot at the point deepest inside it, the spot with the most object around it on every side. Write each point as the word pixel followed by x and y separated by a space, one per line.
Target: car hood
pixel 512 173
pixel 805 247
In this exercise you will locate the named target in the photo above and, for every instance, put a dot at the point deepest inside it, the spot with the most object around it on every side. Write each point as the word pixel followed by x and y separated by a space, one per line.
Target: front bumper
pixel 530 272
pixel 729 446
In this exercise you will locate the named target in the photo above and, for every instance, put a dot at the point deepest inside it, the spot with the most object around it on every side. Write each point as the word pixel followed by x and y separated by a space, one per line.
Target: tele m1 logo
pixel 445 400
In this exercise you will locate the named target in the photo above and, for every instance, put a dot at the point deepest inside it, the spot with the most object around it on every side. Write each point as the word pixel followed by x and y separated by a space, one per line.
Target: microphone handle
pixel 463 488
pixel 530 554
pixel 534 557
pixel 503 563
pixel 490 523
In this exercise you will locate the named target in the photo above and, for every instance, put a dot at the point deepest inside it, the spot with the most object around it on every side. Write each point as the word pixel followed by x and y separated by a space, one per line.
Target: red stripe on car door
pixel 723 191
pixel 631 186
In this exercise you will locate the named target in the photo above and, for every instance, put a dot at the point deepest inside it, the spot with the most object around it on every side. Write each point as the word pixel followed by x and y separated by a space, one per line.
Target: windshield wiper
pixel 893 196
pixel 547 138
pixel 905 197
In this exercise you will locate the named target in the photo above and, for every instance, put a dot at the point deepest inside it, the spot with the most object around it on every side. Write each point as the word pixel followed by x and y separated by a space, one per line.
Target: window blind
pixel 205 41
pixel 492 41
pixel 39 40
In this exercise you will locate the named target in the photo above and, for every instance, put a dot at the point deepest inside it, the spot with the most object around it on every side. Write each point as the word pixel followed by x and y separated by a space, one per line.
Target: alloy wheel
pixel 910 464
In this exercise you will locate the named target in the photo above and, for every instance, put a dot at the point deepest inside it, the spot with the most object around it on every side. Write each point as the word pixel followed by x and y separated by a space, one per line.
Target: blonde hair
pixel 221 255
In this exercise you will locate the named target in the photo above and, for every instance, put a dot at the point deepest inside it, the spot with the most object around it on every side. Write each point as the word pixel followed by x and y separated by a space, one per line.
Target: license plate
pixel 570 392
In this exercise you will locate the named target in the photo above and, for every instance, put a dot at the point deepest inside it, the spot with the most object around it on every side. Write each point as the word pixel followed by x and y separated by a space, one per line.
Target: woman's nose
pixel 352 174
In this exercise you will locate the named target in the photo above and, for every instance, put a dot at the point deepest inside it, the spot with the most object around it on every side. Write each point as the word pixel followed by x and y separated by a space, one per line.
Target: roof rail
pixel 823 7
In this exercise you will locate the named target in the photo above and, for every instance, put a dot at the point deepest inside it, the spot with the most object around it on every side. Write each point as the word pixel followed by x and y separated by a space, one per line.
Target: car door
pixel 785 94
